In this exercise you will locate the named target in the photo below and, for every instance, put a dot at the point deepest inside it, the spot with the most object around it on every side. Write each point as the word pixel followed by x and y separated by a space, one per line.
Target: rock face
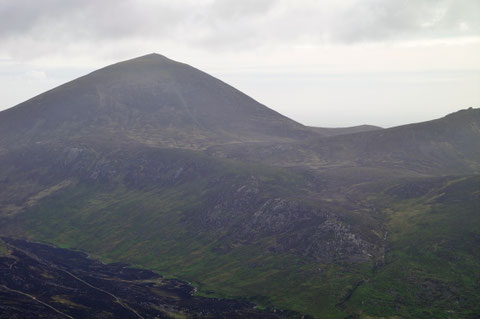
pixel 309 231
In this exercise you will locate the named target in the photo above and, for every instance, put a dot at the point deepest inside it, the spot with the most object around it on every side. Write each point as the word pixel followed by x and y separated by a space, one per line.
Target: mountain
pixel 450 144
pixel 446 146
pixel 151 100
pixel 153 163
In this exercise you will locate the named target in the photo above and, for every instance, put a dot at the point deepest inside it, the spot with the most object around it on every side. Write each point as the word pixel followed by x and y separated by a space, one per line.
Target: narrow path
pixel 13 264
pixel 49 264
pixel 117 300
pixel 37 300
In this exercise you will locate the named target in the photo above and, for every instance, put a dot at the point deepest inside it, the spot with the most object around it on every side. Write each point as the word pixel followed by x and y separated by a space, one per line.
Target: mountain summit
pixel 150 99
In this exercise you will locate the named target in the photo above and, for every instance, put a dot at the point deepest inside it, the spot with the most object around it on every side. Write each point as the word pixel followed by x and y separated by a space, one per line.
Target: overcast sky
pixel 323 63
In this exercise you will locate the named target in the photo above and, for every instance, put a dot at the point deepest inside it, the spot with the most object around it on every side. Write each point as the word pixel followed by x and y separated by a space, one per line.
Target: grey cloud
pixel 86 18
pixel 376 21
pixel 20 17
pixel 406 19
pixel 228 9
pixel 28 27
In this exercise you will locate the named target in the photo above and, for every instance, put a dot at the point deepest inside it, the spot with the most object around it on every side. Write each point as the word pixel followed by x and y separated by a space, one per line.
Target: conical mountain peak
pixel 152 55
pixel 151 59
pixel 153 100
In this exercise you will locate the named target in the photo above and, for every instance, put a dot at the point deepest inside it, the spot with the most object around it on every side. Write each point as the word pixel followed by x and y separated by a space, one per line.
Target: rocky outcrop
pixel 313 231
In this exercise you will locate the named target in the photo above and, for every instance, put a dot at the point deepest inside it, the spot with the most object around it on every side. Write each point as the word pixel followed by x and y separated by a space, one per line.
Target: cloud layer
pixel 29 28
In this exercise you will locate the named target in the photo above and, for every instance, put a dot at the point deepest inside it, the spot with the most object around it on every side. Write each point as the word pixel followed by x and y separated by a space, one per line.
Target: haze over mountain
pixel 155 163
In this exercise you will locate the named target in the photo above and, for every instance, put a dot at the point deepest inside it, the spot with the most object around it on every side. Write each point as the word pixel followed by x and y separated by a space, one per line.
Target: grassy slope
pixel 432 265
pixel 3 248
pixel 151 227
pixel 145 228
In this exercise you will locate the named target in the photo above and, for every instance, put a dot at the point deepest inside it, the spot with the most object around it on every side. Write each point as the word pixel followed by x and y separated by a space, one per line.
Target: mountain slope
pixel 155 163
pixel 448 144
pixel 431 263
pixel 152 100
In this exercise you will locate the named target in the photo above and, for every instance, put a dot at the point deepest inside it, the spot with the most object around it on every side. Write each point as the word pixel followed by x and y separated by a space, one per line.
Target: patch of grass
pixel 3 248
pixel 66 302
